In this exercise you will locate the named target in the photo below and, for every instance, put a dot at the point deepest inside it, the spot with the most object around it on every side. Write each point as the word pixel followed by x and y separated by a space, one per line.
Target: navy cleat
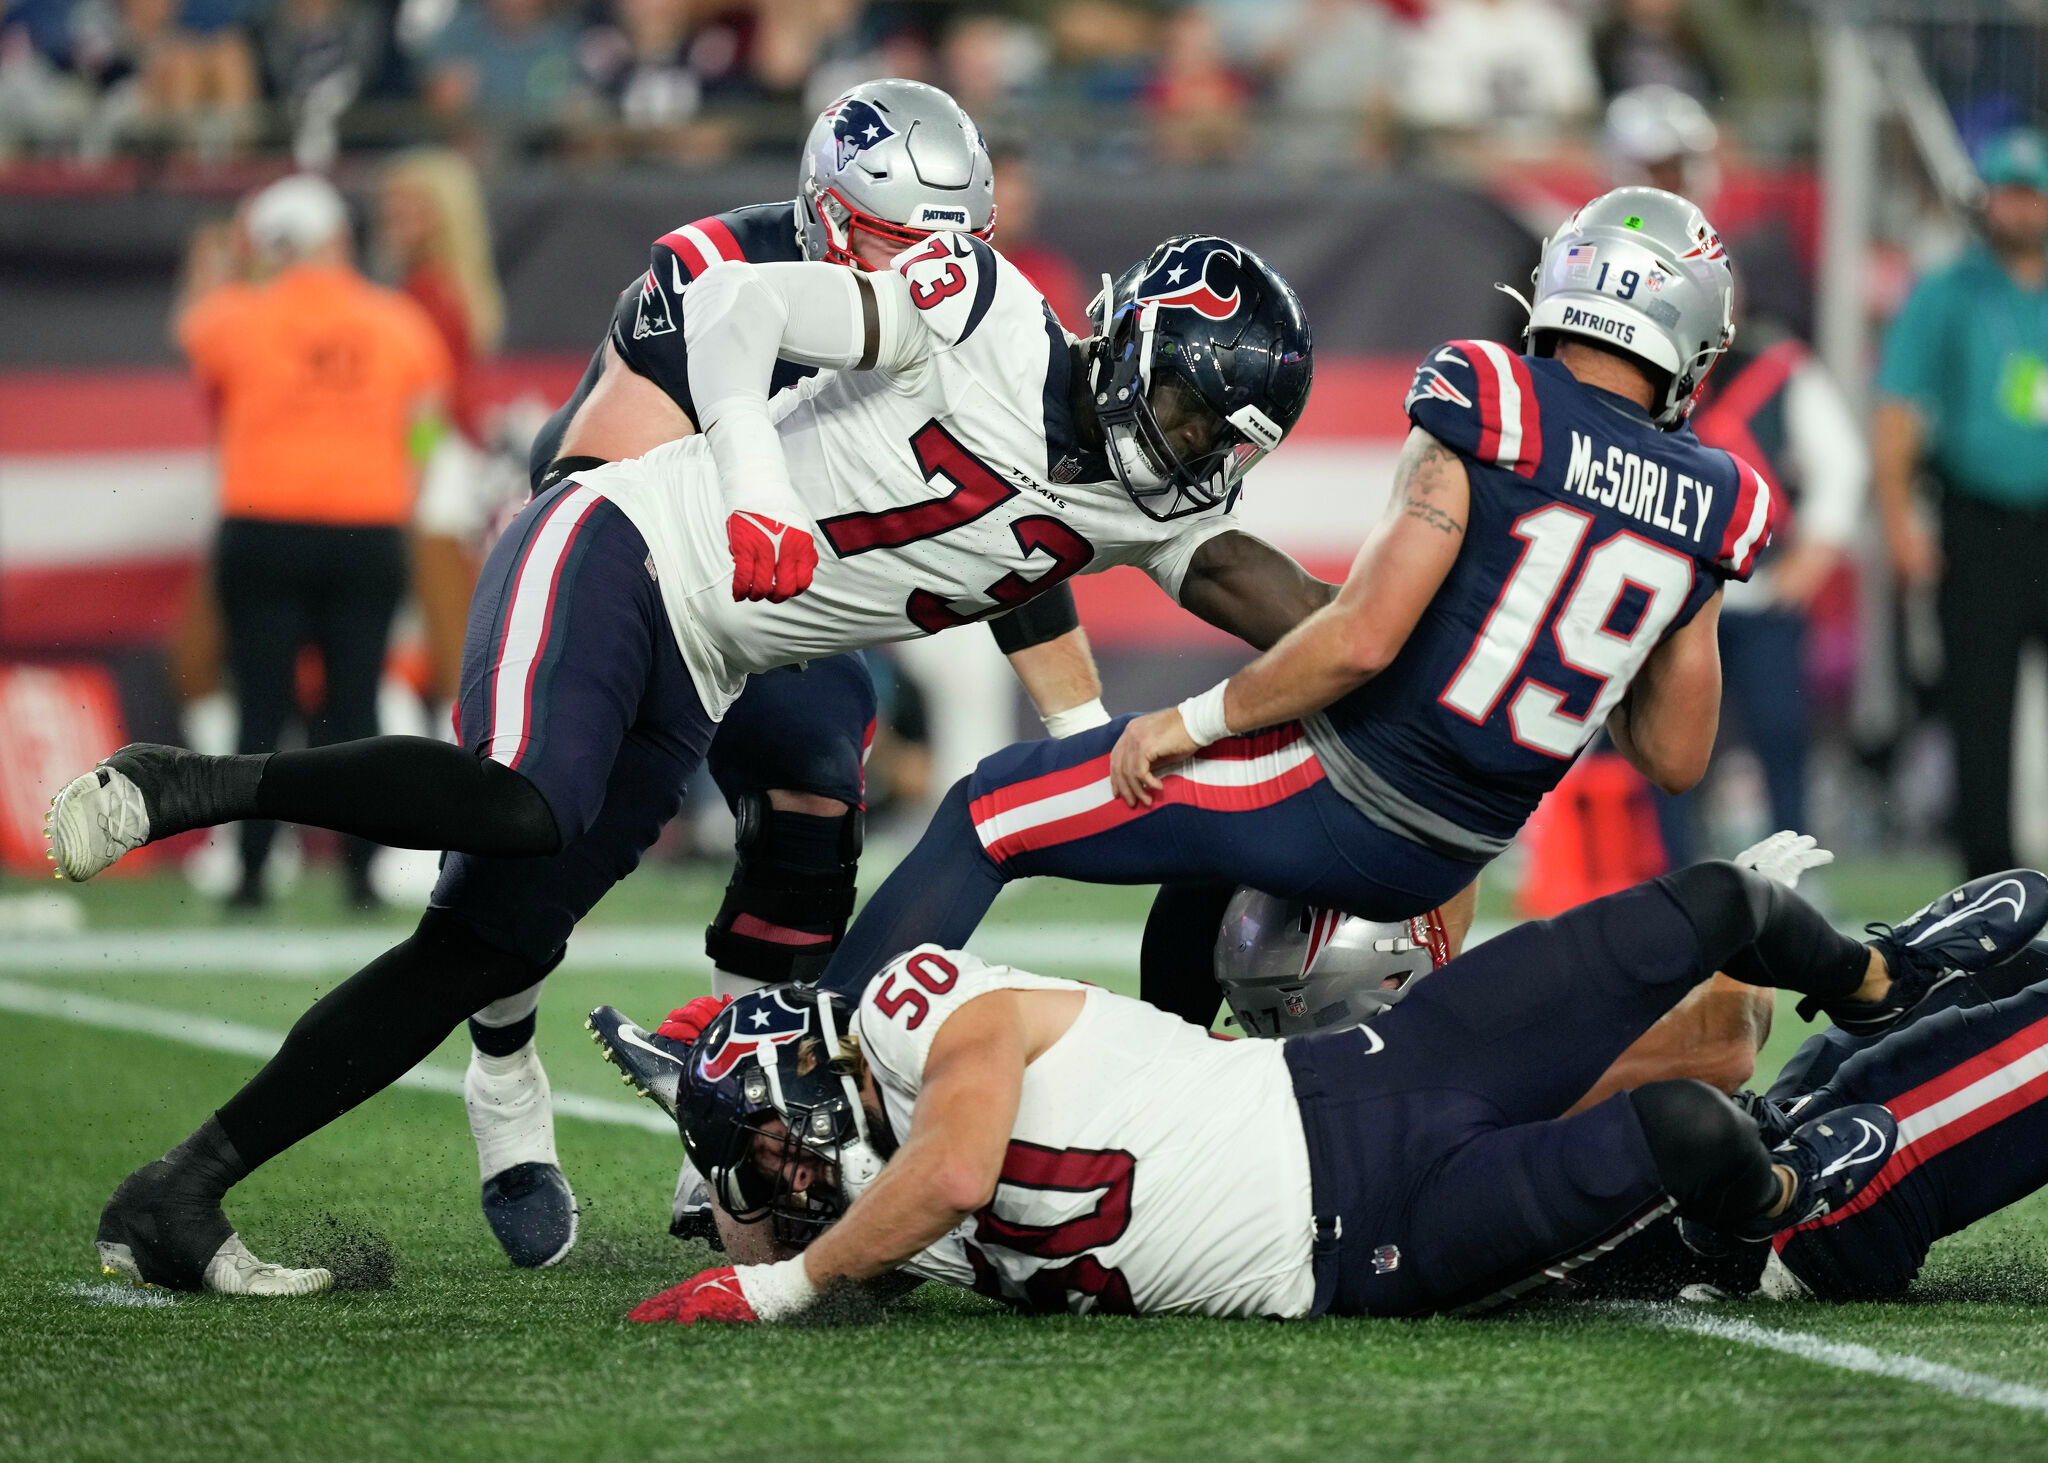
pixel 651 1064
pixel 1833 1158
pixel 532 1212
pixel 1982 924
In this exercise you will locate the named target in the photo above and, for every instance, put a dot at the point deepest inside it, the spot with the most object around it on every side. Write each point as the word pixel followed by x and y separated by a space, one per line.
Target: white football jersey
pixel 933 480
pixel 1152 1168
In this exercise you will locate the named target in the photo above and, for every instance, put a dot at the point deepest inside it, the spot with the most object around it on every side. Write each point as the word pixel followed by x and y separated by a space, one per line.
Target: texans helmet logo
pixel 856 127
pixel 757 1026
pixel 1187 277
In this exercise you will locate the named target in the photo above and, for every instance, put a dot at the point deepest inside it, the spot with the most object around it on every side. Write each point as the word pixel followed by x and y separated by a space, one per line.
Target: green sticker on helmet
pixel 1633 221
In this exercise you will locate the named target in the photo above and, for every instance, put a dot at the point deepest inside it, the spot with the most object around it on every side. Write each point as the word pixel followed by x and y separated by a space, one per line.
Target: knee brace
pixel 791 893
pixel 1709 1155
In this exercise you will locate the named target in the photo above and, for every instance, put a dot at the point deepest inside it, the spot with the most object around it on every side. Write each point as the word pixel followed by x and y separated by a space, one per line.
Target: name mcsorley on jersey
pixel 1640 487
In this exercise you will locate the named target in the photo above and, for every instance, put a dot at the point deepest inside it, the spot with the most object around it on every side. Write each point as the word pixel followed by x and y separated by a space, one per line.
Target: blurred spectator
pixel 434 236
pixel 1051 272
pixel 1502 67
pixel 1107 47
pixel 186 78
pixel 321 377
pixel 317 55
pixel 1334 60
pixel 505 63
pixel 41 104
pixel 1659 135
pixel 987 61
pixel 1964 396
pixel 1654 42
pixel 1199 105
pixel 638 65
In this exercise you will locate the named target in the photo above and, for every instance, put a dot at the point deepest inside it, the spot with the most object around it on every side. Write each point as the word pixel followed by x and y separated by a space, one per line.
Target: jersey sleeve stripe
pixel 1530 455
pixel 718 240
pixel 529 617
pixel 1507 402
pixel 1746 525
pixel 688 252
pixel 984 283
pixel 1488 448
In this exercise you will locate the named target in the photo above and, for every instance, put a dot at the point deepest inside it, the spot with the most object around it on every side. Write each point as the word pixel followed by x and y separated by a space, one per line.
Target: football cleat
pixel 691 1215
pixel 533 1213
pixel 1833 1158
pixel 94 820
pixel 649 1063
pixel 152 1234
pixel 1984 923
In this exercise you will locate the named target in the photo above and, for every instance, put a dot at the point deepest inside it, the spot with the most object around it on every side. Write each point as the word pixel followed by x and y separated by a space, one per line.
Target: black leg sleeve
pixel 1709 1156
pixel 1763 934
pixel 1177 962
pixel 411 792
pixel 369 1031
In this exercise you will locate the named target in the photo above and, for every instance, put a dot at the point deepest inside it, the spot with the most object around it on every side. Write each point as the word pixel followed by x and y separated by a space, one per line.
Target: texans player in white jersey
pixel 885 164
pixel 1550 564
pixel 957 455
pixel 1062 1148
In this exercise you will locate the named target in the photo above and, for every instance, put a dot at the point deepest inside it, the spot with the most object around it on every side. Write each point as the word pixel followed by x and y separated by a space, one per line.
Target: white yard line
pixel 1849 1356
pixel 250 1041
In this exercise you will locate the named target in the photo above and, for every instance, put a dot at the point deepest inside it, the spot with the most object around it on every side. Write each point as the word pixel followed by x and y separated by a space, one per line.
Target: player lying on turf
pixel 1550 563
pixel 885 164
pixel 960 457
pixel 1065 1148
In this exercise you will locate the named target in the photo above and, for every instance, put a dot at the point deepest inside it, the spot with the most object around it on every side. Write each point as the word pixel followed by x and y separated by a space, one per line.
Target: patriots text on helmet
pixel 1620 331
pixel 1640 487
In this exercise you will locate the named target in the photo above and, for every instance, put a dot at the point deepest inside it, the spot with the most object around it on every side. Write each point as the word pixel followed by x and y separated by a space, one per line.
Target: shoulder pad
pixel 1478 397
pixel 952 280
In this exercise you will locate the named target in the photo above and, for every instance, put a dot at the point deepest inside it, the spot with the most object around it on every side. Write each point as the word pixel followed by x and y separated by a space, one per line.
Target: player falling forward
pixel 1064 1148
pixel 957 456
pixel 886 165
pixel 1551 563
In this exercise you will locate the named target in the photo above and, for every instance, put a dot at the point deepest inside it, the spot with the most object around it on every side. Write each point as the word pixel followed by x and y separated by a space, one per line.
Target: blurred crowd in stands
pixel 700 80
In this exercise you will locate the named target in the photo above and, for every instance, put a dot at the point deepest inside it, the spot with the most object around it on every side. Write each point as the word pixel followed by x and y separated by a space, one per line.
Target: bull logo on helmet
pixel 1187 275
pixel 856 127
pixel 753 1028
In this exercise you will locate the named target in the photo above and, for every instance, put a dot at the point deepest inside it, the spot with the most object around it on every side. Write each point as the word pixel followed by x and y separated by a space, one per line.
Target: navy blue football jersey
pixel 646 327
pixel 1592 536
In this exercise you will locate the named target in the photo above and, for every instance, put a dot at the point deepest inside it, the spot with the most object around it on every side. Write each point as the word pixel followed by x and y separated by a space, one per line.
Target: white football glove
pixel 1784 856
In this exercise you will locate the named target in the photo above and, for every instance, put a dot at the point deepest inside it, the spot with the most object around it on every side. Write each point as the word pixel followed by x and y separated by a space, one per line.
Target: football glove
pixel 770 560
pixel 687 1023
pixel 1784 856
pixel 733 1293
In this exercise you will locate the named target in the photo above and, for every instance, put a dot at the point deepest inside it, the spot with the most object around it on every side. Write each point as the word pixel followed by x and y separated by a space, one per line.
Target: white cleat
pixel 92 821
pixel 231 1271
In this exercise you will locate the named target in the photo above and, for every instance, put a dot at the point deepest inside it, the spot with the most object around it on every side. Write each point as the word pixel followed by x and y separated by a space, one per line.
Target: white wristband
pixel 778 1291
pixel 1203 715
pixel 1085 717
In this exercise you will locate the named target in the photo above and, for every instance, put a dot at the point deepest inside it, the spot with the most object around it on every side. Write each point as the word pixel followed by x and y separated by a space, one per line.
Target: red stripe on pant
pixel 1067 779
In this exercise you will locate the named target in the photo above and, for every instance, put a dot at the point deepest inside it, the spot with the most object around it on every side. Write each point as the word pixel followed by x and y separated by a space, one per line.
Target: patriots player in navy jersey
pixel 1550 563
pixel 789 755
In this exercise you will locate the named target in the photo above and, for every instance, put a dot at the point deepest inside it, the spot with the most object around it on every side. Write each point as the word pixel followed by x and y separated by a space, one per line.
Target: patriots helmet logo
pixel 757 1024
pixel 856 127
pixel 1198 274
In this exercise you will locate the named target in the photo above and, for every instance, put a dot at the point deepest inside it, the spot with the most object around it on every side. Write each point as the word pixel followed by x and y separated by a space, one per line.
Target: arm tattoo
pixel 1416 480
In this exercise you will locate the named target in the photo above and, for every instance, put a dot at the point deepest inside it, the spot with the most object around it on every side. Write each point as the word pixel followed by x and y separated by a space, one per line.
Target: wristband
pixel 1085 717
pixel 778 1291
pixel 1203 715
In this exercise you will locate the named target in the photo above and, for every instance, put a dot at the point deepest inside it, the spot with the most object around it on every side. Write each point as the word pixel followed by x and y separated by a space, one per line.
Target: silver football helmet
pixel 1287 968
pixel 896 159
pixel 1642 271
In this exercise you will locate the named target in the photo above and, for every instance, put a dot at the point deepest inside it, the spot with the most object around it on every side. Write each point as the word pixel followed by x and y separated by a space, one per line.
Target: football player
pixel 1550 564
pixel 958 456
pixel 885 165
pixel 1064 1148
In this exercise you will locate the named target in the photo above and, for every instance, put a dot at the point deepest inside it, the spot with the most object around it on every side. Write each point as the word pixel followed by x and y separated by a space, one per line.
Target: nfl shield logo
pixel 1386 1259
pixel 1294 1002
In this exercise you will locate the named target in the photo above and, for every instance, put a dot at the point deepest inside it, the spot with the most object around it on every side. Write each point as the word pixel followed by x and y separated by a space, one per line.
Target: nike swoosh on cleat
pixel 632 1037
pixel 2016 901
pixel 1872 1140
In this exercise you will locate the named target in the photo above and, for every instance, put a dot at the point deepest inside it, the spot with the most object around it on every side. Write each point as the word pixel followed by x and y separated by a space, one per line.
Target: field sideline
pixel 104 1063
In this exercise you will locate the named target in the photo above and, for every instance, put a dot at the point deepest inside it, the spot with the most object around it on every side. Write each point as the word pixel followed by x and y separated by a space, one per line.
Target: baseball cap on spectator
pixel 296 215
pixel 2016 158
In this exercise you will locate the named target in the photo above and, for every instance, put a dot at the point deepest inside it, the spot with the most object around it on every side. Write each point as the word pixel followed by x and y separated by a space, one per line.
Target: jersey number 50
pixel 1550 541
pixel 977 491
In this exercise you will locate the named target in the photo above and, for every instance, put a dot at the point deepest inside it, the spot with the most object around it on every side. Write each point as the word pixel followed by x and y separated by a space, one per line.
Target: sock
pixel 1177 961
pixel 208 1161
pixel 1763 934
pixel 937 895
pixel 503 1027
pixel 193 791
pixel 410 792
pixel 368 1032
pixel 731 983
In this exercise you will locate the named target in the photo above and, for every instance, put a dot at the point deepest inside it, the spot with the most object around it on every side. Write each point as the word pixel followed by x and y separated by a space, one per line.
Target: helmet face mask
pixel 896 161
pixel 1200 366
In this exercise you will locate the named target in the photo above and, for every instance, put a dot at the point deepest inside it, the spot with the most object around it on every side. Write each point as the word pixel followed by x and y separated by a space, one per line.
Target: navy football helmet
pixel 770 1113
pixel 1200 366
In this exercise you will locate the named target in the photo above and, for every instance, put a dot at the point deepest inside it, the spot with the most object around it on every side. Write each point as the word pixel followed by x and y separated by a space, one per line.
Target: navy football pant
pixel 1966 1080
pixel 1252 809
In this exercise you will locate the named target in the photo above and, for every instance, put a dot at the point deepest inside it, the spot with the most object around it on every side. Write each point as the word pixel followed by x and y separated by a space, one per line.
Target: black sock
pixel 410 792
pixel 1177 961
pixel 208 1160
pixel 502 1041
pixel 1763 934
pixel 369 1031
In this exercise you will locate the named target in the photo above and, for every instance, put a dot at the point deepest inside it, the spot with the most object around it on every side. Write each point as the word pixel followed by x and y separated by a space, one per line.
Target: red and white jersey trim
pixel 1952 1108
pixel 703 244
pixel 1749 524
pixel 528 618
pixel 1238 774
pixel 1511 420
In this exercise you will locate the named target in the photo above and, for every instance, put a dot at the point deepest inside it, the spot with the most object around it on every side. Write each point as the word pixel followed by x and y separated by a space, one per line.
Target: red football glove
pixel 709 1295
pixel 687 1023
pixel 770 560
